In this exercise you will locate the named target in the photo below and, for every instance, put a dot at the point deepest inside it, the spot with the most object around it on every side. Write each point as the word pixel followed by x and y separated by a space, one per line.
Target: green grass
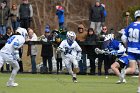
pixel 38 83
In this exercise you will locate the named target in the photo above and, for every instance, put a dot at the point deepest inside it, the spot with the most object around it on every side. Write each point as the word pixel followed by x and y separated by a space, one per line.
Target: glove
pixel 114 52
pixel 16 55
pixel 60 49
pixel 78 58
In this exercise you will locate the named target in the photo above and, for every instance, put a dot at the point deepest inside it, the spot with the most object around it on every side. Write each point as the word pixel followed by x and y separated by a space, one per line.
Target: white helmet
pixel 137 13
pixel 71 36
pixel 22 31
pixel 109 37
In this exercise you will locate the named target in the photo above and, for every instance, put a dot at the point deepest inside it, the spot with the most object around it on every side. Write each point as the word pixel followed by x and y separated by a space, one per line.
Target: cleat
pixel 122 76
pixel 138 90
pixel 11 84
pixel 74 79
pixel 119 81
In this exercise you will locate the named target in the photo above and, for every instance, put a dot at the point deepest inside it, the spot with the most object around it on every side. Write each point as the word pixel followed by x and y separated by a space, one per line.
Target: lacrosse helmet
pixel 137 13
pixel 71 36
pixel 22 32
pixel 109 37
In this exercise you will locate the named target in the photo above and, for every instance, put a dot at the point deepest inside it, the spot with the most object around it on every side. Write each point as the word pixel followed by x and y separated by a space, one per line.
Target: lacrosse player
pixel 131 38
pixel 115 48
pixel 120 63
pixel 71 53
pixel 10 54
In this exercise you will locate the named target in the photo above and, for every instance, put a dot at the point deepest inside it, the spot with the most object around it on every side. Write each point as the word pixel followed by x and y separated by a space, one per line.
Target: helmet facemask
pixel 71 36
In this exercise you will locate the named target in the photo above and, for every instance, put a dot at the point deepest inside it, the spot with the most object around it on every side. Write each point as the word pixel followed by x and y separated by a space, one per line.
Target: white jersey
pixel 70 50
pixel 14 42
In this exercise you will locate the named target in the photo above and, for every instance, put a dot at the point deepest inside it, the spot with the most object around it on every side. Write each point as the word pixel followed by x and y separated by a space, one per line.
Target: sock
pixel 74 75
pixel 13 74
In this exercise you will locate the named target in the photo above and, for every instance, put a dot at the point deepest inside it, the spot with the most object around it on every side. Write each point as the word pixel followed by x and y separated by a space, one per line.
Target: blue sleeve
pixel 116 43
pixel 113 45
pixel 127 29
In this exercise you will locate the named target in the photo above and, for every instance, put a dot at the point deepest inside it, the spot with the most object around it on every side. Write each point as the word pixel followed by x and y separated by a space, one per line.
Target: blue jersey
pixel 132 33
pixel 113 45
pixel 13 43
pixel 117 46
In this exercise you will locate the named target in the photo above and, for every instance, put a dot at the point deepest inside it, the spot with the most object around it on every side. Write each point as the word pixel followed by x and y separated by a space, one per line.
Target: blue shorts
pixel 124 59
pixel 133 56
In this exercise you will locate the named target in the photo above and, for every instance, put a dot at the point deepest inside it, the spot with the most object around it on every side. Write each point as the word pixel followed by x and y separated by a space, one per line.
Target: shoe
pixel 138 90
pixel 119 81
pixel 74 79
pixel 12 84
pixel 122 75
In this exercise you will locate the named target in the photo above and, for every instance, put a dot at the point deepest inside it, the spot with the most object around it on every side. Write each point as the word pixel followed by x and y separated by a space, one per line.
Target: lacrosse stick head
pixel 99 51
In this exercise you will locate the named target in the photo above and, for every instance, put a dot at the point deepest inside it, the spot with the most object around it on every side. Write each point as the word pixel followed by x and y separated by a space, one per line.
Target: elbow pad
pixel 16 45
pixel 124 39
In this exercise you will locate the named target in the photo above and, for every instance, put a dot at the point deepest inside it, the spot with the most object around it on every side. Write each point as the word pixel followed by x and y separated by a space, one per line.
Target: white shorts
pixel 7 58
pixel 68 62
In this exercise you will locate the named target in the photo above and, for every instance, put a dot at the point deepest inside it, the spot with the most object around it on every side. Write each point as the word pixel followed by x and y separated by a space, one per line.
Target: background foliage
pixel 77 11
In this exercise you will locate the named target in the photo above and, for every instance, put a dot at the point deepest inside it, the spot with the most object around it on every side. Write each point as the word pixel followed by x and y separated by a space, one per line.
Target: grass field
pixel 37 83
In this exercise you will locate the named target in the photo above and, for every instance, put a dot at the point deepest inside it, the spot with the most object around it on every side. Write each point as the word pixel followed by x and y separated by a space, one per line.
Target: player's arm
pixel 124 40
pixel 61 47
pixel 122 49
pixel 16 46
pixel 124 37
pixel 78 48
pixel 79 51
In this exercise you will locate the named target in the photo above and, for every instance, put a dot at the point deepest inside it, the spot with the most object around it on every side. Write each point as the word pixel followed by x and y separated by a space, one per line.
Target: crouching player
pixel 71 53
pixel 10 54
pixel 120 63
pixel 115 48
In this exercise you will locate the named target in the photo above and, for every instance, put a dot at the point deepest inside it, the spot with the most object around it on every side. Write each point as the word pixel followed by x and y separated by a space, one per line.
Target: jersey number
pixel 10 39
pixel 133 35
pixel 67 51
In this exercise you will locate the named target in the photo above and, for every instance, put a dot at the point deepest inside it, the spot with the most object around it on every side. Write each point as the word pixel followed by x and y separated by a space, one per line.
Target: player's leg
pixel 129 70
pixel 15 66
pixel 1 64
pixel 75 69
pixel 115 67
pixel 139 82
pixel 132 67
pixel 131 59
pixel 139 77
pixel 68 65
pixel 1 60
